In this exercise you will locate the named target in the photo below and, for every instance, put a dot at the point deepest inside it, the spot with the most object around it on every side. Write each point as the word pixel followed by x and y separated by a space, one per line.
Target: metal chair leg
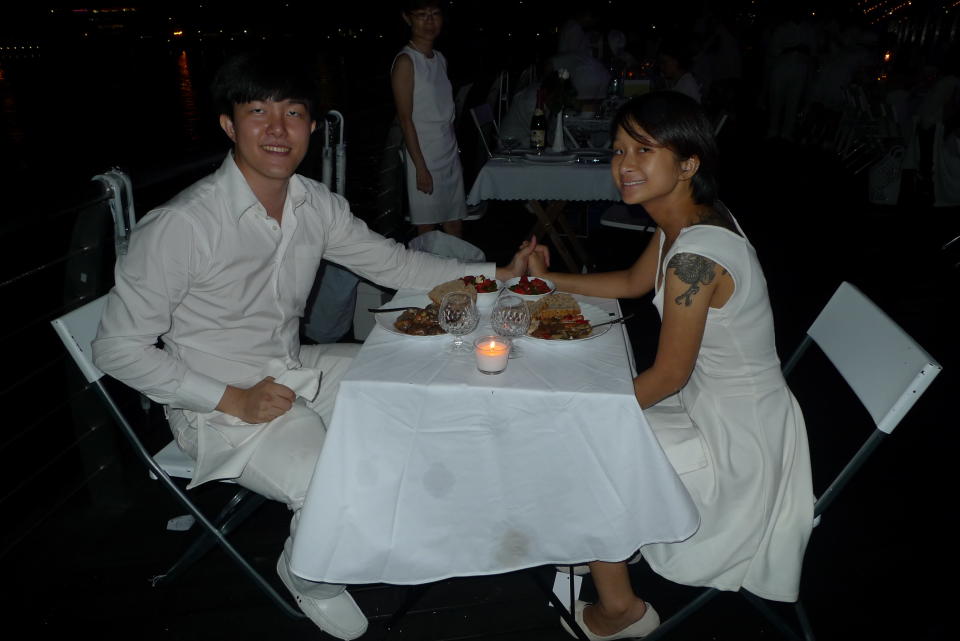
pixel 566 615
pixel 414 594
pixel 778 621
pixel 681 615
pixel 238 509
pixel 801 613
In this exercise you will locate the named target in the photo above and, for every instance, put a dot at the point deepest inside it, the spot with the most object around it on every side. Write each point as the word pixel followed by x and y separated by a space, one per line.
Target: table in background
pixel 433 470
pixel 554 183
pixel 588 132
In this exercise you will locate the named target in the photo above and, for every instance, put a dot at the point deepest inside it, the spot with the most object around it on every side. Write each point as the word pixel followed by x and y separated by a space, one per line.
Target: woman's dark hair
pixel 677 122
pixel 264 75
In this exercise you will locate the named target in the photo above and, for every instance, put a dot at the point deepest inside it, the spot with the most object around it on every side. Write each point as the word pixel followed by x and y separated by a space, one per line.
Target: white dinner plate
pixel 594 156
pixel 517 153
pixel 551 158
pixel 386 320
pixel 593 315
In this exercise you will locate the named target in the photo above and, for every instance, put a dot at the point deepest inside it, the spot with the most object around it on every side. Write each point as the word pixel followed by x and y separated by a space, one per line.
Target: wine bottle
pixel 538 125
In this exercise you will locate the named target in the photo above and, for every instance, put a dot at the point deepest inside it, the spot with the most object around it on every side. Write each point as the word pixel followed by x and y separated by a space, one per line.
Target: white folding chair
pixel 486 126
pixel 887 371
pixel 77 329
pixel 620 216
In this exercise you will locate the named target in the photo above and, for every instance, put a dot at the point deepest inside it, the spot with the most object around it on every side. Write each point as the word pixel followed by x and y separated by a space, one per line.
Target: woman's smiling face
pixel 645 171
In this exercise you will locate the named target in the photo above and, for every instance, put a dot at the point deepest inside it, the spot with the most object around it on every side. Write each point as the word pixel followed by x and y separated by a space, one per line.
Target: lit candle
pixel 492 353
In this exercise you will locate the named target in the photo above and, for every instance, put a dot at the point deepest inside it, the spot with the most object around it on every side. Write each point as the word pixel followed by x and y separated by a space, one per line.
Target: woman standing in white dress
pixel 424 100
pixel 734 432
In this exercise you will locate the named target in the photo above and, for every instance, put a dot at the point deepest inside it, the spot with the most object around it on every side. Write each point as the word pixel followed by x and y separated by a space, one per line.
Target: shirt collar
pixel 241 199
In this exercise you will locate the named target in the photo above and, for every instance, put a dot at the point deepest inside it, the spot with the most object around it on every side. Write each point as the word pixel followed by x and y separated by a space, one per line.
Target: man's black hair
pixel 409 6
pixel 264 75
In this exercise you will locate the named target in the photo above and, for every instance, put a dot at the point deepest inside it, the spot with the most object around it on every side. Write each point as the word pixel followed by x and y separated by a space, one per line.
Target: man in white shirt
pixel 221 275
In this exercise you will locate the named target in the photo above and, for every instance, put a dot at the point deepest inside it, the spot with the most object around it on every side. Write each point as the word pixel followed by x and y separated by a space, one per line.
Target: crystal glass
pixel 511 318
pixel 458 315
pixel 509 143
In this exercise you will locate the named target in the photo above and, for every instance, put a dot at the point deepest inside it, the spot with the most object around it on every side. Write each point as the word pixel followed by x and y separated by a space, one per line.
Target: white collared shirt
pixel 224 285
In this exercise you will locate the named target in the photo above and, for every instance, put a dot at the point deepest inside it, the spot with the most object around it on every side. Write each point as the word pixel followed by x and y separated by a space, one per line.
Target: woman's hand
pixel 424 181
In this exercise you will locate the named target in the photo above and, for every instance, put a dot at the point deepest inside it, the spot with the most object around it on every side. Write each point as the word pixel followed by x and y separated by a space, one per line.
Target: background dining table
pixel 432 469
pixel 555 179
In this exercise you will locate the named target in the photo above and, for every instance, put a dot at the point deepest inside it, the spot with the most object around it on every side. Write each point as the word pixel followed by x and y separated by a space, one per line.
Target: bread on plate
pixel 437 293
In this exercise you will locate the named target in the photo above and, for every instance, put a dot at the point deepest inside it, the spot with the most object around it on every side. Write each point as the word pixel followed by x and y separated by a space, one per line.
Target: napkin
pixel 226 442
pixel 304 381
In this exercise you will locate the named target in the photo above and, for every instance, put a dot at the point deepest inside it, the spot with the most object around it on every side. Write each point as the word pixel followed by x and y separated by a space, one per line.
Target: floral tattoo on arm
pixel 694 270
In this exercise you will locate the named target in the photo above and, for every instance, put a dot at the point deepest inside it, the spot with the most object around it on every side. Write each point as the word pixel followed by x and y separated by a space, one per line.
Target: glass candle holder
pixel 491 353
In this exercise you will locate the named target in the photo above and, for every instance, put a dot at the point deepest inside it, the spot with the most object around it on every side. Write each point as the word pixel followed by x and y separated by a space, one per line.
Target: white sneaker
pixel 339 616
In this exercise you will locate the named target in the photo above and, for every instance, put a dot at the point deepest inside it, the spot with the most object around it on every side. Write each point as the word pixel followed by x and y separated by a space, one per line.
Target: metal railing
pixel 54 452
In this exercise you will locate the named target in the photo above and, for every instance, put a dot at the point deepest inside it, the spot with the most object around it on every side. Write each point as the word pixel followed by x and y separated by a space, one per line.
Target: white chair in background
pixel 619 216
pixel 487 127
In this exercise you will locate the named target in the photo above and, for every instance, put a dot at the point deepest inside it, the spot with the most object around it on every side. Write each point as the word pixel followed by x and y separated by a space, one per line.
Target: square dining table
pixel 554 179
pixel 432 469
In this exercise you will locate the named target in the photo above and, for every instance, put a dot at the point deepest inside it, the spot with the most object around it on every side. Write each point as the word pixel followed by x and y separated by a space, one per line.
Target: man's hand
pixel 519 265
pixel 424 181
pixel 261 403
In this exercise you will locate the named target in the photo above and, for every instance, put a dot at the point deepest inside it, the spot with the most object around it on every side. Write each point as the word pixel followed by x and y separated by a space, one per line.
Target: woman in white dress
pixel 714 395
pixel 424 100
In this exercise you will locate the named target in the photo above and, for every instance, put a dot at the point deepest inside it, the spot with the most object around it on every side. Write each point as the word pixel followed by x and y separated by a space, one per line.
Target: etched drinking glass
pixel 511 318
pixel 509 143
pixel 458 315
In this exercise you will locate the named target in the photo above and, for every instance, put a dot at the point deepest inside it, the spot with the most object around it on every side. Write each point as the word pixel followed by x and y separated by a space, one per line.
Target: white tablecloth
pixel 432 469
pixel 523 180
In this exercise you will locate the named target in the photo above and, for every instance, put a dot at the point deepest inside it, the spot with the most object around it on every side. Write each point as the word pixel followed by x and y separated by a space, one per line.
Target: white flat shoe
pixel 339 616
pixel 636 630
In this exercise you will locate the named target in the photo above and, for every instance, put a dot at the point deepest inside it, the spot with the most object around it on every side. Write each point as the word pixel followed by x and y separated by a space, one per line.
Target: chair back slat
pixel 884 366
pixel 486 126
pixel 77 329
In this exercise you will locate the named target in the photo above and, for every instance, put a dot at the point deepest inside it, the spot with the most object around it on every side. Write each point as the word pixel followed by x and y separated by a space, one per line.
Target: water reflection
pixel 10 129
pixel 188 99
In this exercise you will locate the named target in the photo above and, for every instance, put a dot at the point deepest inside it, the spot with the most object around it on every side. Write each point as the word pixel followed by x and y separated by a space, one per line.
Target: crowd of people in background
pixel 794 73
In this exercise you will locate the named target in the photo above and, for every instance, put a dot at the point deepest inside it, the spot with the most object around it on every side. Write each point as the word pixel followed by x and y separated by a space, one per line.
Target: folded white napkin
pixel 305 381
pixel 226 443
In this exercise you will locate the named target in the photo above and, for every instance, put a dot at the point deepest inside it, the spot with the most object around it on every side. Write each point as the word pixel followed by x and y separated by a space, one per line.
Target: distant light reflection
pixel 188 98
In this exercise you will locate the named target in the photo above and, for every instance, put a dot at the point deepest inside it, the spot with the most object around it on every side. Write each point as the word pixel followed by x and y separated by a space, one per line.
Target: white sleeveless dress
pixel 736 435
pixel 433 114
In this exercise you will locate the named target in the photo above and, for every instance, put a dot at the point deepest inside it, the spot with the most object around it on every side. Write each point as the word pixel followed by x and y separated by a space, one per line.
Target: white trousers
pixel 282 465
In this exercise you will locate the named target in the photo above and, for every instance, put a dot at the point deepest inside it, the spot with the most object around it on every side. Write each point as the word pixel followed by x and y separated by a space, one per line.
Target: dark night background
pixel 87 87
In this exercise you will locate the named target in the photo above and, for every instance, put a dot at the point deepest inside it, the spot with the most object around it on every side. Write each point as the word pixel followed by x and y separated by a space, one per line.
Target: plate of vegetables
pixel 529 287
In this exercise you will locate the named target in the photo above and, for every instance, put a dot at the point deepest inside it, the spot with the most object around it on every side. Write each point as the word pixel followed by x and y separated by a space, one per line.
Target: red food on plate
pixel 482 284
pixel 530 286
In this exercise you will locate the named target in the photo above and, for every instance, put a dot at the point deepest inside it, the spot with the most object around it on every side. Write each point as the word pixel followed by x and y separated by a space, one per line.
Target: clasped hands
pixel 531 259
